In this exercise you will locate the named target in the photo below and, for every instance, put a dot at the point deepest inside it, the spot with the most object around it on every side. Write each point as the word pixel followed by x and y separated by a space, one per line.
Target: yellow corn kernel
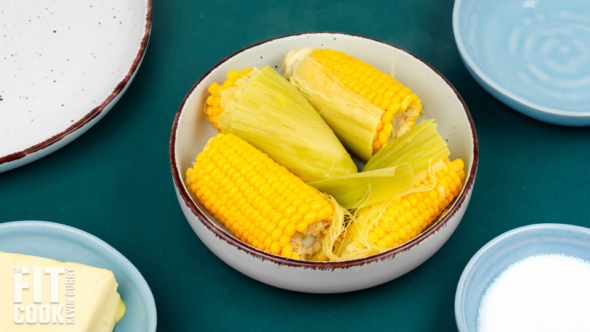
pixel 301 226
pixel 287 251
pixel 233 180
pixel 213 88
pixel 233 74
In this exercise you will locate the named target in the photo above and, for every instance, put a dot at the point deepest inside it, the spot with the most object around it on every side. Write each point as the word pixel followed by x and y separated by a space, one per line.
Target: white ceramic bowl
pixel 64 64
pixel 191 130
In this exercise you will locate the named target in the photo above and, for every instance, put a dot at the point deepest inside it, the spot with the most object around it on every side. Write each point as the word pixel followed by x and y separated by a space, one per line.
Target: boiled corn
pixel 266 111
pixel 259 201
pixel 374 98
pixel 389 224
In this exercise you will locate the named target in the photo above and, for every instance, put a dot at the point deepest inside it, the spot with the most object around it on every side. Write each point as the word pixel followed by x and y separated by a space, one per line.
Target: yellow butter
pixel 87 296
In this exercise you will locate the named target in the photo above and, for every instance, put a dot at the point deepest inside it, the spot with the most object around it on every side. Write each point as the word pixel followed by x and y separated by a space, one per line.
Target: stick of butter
pixel 40 294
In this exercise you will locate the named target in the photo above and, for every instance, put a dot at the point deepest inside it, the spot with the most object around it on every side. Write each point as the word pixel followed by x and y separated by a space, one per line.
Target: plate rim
pixel 138 277
pixel 495 86
pixel 119 88
pixel 281 261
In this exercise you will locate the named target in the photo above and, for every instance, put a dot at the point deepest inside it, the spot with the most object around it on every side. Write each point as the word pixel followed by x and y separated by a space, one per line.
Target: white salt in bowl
pixel 191 130
pixel 513 246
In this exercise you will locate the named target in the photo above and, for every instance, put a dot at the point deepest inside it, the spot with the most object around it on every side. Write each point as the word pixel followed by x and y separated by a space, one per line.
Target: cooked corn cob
pixel 214 108
pixel 391 223
pixel 266 111
pixel 259 201
pixel 377 87
pixel 352 95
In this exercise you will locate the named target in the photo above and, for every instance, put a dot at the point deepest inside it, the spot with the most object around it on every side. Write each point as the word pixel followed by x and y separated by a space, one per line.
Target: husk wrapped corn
pixel 387 223
pixel 365 107
pixel 393 222
pixel 269 113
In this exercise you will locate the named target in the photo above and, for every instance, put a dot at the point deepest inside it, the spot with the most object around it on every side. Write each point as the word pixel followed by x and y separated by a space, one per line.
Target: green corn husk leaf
pixel 276 118
pixel 421 147
pixel 353 118
pixel 363 189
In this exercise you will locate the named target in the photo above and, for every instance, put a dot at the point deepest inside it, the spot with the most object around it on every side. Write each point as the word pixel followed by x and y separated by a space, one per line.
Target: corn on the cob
pixel 367 96
pixel 269 113
pixel 259 201
pixel 214 108
pixel 377 87
pixel 388 224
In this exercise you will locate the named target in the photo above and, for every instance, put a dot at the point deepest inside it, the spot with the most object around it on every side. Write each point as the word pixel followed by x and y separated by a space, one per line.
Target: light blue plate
pixel 491 260
pixel 68 244
pixel 533 55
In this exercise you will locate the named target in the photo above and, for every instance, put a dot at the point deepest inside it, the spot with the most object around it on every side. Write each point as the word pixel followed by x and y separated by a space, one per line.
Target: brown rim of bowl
pixel 97 110
pixel 310 264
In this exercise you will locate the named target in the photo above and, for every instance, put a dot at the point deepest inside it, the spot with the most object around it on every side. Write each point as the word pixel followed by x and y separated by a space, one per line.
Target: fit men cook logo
pixel 44 313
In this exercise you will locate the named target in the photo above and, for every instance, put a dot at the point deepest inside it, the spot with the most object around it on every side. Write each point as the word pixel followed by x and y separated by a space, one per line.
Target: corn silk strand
pixel 342 218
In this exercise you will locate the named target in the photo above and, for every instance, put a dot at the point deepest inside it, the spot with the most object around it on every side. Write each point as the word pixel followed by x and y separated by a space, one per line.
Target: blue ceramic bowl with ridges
pixel 68 244
pixel 497 255
pixel 533 56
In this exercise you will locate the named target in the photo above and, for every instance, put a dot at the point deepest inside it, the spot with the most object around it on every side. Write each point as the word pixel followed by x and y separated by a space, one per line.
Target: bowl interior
pixel 537 52
pixel 511 247
pixel 438 97
pixel 68 244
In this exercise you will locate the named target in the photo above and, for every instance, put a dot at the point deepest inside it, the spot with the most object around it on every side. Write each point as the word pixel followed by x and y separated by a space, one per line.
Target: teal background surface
pixel 115 182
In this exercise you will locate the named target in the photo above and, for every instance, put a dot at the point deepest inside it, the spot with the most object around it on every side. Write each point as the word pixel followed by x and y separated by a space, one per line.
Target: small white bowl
pixel 506 249
pixel 191 130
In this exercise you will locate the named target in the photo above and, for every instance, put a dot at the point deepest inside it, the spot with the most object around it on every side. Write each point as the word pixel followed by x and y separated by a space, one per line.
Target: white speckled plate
pixel 63 66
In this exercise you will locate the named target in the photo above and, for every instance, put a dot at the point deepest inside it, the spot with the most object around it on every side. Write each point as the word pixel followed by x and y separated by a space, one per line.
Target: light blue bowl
pixel 532 55
pixel 491 260
pixel 68 244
